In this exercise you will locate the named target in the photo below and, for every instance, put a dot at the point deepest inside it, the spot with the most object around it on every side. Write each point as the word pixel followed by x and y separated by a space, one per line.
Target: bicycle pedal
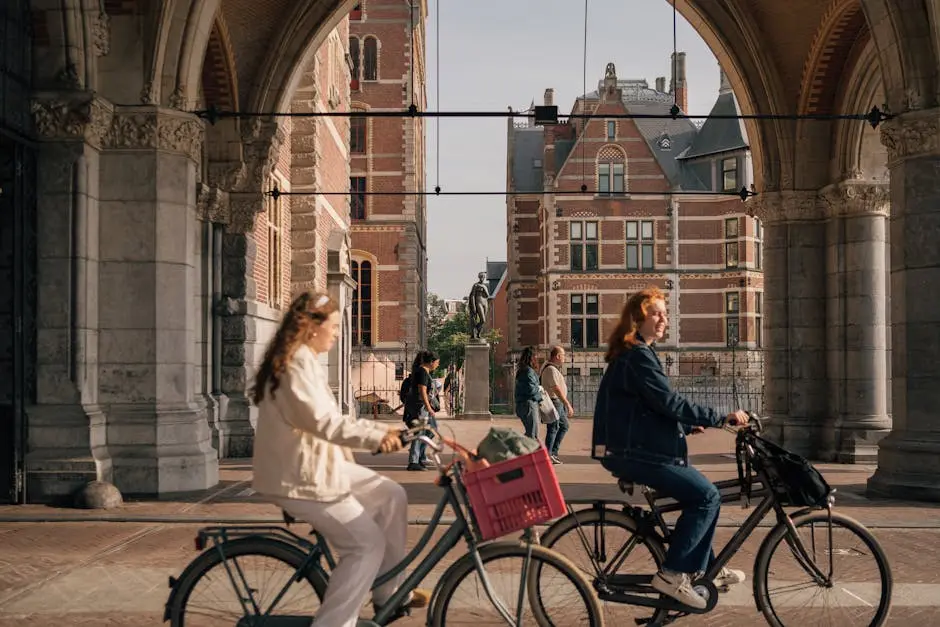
pixel 723 589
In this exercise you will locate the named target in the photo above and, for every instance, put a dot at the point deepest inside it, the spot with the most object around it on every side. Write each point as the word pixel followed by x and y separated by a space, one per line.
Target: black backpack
pixel 404 390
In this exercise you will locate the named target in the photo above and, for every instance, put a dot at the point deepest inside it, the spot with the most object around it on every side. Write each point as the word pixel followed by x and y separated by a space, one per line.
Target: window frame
pixel 362 336
pixel 355 62
pixel 583 246
pixel 586 318
pixel 640 245
pixel 373 63
pixel 274 221
pixel 358 198
pixel 725 171
pixel 359 128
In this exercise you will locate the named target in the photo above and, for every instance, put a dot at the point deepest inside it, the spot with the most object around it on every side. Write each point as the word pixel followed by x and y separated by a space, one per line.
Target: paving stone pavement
pixel 111 568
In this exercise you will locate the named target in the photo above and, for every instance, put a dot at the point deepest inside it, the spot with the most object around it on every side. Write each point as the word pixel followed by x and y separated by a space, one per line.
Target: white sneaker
pixel 555 460
pixel 678 586
pixel 729 577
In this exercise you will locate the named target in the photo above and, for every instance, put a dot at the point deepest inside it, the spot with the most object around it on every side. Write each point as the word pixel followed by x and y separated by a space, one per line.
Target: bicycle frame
pixel 622 588
pixel 462 527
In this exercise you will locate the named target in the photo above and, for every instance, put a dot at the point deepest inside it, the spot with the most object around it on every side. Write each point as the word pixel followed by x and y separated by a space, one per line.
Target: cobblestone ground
pixel 68 567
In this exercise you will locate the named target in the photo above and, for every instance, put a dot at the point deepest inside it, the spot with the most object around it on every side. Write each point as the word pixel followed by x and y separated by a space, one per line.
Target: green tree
pixel 450 338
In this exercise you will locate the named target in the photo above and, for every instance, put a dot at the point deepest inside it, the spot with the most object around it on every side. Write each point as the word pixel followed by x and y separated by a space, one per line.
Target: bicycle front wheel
pixel 545 590
pixel 256 576
pixel 840 578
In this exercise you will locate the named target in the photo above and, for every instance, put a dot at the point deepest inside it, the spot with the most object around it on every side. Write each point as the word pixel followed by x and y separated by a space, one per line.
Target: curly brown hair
pixel 306 314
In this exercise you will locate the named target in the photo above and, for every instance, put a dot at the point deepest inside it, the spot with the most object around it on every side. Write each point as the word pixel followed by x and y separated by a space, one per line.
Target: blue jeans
pixel 558 429
pixel 528 412
pixel 418 450
pixel 690 547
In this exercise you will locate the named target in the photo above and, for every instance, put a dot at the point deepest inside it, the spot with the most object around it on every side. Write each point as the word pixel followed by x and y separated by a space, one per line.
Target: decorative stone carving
pixel 788 206
pixel 101 34
pixel 152 128
pixel 83 117
pixel 243 207
pixel 148 94
pixel 178 99
pixel 849 198
pixel 212 204
pixel 226 175
pixel 262 141
pixel 912 134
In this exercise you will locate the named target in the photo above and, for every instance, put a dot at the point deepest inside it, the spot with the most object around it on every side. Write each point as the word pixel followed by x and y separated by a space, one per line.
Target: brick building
pixel 389 256
pixel 575 256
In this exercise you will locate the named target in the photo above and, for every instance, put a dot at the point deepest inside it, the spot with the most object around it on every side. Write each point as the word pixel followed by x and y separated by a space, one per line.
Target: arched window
pixel 370 62
pixel 362 303
pixel 354 63
pixel 611 168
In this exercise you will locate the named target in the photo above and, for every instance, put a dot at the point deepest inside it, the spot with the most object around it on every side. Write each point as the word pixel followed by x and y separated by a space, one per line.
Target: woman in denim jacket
pixel 528 394
pixel 640 429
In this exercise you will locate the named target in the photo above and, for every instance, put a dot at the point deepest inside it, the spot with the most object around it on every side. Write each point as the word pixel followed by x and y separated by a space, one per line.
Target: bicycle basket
pixel 514 494
pixel 795 480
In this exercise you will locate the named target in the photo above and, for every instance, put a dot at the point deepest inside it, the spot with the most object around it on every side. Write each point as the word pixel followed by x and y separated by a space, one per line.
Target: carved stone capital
pixel 212 204
pixel 856 198
pixel 101 34
pixel 243 208
pixel 913 134
pixel 787 206
pixel 262 141
pixel 155 128
pixel 81 116
pixel 227 175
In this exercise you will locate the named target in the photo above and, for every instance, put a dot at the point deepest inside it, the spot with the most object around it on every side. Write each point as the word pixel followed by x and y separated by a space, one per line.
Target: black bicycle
pixel 268 576
pixel 795 569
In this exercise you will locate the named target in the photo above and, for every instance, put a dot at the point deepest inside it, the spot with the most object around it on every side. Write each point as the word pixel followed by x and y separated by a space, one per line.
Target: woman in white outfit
pixel 303 462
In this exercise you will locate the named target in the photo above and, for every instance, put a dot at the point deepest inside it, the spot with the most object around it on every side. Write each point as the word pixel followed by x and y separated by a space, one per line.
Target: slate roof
pixel 494 272
pixel 687 140
pixel 718 134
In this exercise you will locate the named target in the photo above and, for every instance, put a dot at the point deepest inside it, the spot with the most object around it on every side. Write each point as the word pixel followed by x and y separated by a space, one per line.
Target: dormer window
pixel 664 142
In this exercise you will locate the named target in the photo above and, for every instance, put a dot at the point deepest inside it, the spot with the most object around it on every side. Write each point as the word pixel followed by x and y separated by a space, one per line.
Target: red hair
pixel 634 314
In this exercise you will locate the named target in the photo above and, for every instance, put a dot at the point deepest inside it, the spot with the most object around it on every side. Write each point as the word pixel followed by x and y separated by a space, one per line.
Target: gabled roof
pixel 494 274
pixel 719 134
pixel 528 147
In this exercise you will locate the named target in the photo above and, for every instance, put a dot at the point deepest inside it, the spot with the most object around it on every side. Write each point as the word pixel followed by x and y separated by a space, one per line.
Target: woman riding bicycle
pixel 640 429
pixel 303 462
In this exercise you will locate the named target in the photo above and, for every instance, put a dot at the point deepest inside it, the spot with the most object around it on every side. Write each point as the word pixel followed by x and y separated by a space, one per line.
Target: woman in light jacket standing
pixel 528 395
pixel 303 462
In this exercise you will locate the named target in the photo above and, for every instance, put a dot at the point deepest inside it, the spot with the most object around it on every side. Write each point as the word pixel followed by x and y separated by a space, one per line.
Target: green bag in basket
pixel 502 443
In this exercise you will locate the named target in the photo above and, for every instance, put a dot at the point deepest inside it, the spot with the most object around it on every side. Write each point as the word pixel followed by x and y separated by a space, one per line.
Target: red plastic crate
pixel 514 495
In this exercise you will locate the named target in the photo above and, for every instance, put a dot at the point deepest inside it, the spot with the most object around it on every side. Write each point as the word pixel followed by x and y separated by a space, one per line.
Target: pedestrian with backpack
pixel 421 404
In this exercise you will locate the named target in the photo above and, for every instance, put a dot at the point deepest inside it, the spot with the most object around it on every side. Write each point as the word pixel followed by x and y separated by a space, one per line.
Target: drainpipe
pixel 215 246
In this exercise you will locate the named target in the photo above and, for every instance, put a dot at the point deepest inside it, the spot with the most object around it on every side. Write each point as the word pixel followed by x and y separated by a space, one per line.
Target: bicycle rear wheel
pixel 547 591
pixel 859 588
pixel 603 543
pixel 205 595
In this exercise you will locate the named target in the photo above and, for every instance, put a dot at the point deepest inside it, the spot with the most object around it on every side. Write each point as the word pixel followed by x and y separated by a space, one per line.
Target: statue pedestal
pixel 477 380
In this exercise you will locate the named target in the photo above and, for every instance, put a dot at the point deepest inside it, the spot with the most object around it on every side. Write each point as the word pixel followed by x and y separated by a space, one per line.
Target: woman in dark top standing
pixel 640 429
pixel 528 395
pixel 419 407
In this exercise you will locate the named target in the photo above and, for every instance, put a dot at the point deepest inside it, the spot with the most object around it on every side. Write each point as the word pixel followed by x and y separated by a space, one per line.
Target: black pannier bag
pixel 792 477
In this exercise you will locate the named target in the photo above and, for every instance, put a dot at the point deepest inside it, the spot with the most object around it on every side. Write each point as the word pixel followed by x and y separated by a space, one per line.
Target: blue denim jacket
pixel 527 387
pixel 639 415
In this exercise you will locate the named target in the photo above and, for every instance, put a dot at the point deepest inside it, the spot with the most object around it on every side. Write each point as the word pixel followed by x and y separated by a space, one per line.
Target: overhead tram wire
pixel 874 117
pixel 743 193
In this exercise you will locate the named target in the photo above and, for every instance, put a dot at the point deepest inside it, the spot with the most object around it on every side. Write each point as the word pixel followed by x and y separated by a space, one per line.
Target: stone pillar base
pixel 238 419
pixel 477 380
pixel 908 467
pixel 161 450
pixel 855 443
pixel 66 451
pixel 797 435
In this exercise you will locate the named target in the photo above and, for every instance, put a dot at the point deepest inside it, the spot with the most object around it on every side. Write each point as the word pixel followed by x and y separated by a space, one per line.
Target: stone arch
pixel 732 37
pixel 857 152
pixel 185 27
pixel 219 78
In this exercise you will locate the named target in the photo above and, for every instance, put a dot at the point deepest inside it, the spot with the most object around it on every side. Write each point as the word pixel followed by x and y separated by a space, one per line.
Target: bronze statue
pixel 478 304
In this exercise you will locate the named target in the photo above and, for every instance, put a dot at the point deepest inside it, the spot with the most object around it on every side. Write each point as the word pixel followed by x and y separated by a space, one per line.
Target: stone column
pixel 246 324
pixel 855 321
pixel 157 432
pixel 909 457
pixel 340 285
pixel 795 393
pixel 66 426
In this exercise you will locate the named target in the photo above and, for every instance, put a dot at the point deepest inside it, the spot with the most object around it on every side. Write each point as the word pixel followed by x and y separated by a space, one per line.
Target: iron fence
pixel 723 379
pixel 376 376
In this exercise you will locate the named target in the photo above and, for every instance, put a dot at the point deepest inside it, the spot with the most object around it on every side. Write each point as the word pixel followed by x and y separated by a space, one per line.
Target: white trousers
pixel 367 531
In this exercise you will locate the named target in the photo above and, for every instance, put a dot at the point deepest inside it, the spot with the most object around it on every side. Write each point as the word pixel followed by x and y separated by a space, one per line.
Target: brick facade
pixel 388 155
pixel 581 239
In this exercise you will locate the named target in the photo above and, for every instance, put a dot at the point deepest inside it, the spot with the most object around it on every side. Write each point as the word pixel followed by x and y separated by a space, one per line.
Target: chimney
pixel 549 97
pixel 678 86
pixel 725 85
pixel 661 84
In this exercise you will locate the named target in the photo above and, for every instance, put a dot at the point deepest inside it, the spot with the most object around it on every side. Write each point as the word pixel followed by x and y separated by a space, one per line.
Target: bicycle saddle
pixel 628 487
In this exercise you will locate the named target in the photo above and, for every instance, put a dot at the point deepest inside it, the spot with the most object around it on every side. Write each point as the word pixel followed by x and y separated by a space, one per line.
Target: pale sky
pixel 500 53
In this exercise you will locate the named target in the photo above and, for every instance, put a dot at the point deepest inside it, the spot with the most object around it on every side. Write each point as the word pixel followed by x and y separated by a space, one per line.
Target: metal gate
pixel 17 246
